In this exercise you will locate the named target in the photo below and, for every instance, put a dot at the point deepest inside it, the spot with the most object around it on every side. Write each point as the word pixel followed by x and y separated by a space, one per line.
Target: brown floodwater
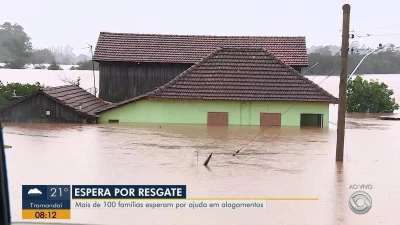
pixel 280 162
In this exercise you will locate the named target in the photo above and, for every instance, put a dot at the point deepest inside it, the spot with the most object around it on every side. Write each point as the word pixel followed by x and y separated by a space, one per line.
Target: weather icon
pixel 34 192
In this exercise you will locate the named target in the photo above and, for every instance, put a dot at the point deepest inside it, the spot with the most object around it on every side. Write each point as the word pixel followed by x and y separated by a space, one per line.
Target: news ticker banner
pixel 56 201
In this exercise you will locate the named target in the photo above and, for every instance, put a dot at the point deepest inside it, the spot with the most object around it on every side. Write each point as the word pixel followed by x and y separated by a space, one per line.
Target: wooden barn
pixel 135 64
pixel 64 104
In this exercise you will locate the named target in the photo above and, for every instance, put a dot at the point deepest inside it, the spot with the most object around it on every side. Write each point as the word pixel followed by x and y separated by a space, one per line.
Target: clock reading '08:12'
pixel 46 214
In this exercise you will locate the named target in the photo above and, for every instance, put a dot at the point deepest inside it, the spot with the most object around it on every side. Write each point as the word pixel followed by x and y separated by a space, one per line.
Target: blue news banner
pixel 128 191
pixel 56 201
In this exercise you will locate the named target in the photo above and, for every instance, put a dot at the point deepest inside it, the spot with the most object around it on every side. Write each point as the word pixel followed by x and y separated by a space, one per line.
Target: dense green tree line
pixel 7 90
pixel 16 50
pixel 385 61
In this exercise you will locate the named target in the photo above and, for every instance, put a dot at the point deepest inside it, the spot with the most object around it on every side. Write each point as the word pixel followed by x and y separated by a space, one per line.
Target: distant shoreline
pixel 68 67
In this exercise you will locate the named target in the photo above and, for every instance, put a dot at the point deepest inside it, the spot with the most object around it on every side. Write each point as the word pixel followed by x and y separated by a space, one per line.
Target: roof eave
pixel 126 102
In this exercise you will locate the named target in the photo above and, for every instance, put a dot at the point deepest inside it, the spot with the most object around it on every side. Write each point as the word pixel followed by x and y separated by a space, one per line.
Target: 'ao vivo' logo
pixel 361 186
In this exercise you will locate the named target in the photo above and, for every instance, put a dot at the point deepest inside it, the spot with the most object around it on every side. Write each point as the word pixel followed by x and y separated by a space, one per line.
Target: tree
pixel 323 51
pixel 54 66
pixel 16 50
pixel 41 56
pixel 16 46
pixel 6 91
pixel 70 81
pixel 63 55
pixel 86 65
pixel 369 97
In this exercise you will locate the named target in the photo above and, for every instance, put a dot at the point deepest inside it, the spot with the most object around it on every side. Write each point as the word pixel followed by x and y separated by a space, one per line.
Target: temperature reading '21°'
pixel 54 191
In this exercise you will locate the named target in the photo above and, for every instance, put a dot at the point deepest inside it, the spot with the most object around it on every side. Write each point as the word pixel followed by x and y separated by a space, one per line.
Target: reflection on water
pixel 279 162
pixel 339 188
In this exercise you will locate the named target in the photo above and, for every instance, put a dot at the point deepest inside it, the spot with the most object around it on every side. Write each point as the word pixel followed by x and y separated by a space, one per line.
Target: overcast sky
pixel 76 22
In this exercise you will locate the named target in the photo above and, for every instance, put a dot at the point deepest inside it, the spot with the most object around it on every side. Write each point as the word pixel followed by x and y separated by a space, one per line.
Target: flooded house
pixel 66 104
pixel 131 65
pixel 230 86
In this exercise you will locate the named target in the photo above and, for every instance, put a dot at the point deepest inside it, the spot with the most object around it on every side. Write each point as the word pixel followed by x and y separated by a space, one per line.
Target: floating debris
pixel 236 152
pixel 207 160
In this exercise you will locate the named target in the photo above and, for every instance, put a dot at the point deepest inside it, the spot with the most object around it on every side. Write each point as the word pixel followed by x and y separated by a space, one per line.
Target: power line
pixel 376 35
pixel 370 34
pixel 383 28
pixel 326 77
pixel 356 33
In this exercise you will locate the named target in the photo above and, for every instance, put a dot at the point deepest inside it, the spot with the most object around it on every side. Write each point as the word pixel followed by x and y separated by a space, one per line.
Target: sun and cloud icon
pixel 34 192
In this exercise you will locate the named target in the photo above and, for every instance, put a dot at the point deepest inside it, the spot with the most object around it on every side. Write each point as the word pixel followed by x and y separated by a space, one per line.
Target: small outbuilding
pixel 64 104
pixel 231 86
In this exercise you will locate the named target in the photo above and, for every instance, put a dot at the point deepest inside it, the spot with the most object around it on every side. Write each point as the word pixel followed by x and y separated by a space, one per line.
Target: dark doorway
pixel 270 119
pixel 312 120
pixel 217 118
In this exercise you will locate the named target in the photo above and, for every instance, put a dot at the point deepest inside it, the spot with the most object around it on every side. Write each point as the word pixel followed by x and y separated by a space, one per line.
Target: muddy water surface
pixel 285 162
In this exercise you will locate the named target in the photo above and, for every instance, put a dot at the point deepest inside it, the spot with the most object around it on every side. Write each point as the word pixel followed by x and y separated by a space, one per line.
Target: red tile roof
pixel 123 47
pixel 74 96
pixel 242 75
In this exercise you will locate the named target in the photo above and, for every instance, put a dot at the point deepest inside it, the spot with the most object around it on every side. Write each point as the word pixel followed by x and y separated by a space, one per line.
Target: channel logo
pixel 360 202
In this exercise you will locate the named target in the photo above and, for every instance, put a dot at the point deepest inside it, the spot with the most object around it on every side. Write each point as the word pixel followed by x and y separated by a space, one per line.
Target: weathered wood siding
pixel 121 81
pixel 33 109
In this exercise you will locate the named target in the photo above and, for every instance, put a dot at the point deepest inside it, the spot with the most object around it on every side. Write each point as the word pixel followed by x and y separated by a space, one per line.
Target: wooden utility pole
pixel 343 84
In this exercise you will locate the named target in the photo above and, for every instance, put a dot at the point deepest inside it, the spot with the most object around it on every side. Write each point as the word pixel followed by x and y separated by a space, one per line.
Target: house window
pixel 48 113
pixel 113 121
pixel 270 119
pixel 311 120
pixel 217 118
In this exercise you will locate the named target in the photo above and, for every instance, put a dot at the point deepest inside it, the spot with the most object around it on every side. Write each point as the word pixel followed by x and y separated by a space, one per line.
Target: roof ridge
pixel 200 35
pixel 57 87
pixel 244 48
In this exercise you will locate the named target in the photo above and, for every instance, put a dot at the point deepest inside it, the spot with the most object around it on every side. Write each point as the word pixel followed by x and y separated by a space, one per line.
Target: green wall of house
pixel 195 111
